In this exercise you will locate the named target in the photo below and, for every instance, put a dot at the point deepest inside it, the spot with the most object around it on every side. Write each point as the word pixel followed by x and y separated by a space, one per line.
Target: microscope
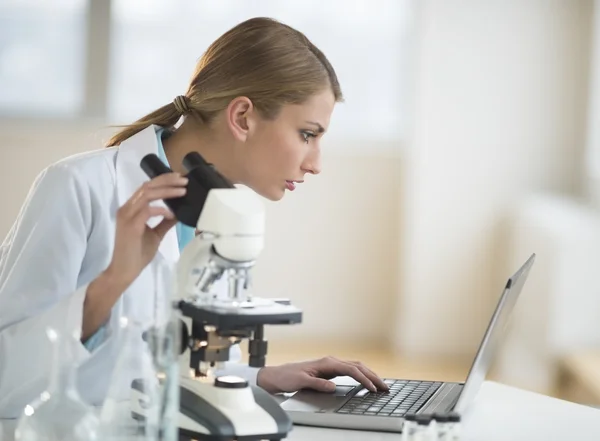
pixel 231 224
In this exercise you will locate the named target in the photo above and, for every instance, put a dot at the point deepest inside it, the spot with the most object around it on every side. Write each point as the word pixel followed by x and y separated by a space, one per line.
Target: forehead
pixel 318 108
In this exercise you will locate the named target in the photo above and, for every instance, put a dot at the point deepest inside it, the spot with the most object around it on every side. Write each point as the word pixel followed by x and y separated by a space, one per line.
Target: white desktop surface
pixel 499 413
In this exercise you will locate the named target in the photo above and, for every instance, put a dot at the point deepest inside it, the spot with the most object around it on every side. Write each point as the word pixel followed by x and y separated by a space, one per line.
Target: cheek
pixel 290 158
pixel 283 153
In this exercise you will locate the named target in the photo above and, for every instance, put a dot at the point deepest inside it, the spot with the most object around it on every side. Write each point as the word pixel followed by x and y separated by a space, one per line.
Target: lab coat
pixel 63 238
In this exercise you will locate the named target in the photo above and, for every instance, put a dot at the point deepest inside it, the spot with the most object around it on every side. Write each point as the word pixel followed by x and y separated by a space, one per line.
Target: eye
pixel 306 135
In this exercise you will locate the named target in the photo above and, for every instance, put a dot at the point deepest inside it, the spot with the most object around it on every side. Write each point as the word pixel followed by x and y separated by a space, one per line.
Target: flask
pixel 59 413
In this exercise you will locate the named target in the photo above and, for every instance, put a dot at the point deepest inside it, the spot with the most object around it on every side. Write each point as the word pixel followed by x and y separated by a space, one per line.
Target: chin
pixel 272 194
pixel 275 195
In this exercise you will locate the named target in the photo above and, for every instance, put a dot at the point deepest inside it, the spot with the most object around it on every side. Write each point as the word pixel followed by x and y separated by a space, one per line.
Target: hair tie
pixel 181 104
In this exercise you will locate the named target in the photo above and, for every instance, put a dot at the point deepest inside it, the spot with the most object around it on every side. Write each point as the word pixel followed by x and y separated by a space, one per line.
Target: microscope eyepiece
pixel 153 166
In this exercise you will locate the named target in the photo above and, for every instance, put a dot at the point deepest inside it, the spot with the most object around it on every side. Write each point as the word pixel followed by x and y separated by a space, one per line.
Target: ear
pixel 239 117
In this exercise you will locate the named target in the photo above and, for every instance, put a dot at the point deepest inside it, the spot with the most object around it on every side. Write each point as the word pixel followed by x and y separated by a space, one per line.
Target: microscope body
pixel 231 222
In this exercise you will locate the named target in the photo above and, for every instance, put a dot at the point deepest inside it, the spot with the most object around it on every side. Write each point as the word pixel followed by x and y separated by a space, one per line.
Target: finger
pixel 342 368
pixel 144 196
pixel 167 179
pixel 376 379
pixel 318 384
pixel 164 227
pixel 140 220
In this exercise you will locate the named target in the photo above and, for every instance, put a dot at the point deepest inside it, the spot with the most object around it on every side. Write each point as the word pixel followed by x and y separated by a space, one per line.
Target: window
pixel 155 45
pixel 42 54
pixel 120 59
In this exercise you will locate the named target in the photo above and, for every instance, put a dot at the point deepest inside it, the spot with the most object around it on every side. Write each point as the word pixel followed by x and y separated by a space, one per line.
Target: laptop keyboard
pixel 404 397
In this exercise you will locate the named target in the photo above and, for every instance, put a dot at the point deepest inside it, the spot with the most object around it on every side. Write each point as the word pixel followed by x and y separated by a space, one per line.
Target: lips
pixel 291 184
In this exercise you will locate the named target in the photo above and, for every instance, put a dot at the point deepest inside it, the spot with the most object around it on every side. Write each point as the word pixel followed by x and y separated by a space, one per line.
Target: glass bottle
pixel 131 408
pixel 59 413
pixel 423 430
pixel 455 427
pixel 165 343
pixel 410 426
pixel 441 420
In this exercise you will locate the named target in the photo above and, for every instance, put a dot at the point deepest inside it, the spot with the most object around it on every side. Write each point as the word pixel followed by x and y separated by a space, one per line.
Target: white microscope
pixel 232 224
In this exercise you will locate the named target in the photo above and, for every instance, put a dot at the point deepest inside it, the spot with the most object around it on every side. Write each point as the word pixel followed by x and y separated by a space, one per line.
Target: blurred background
pixel 469 140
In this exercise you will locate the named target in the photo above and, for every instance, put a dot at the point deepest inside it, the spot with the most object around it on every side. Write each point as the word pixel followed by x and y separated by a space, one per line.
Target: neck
pixel 192 138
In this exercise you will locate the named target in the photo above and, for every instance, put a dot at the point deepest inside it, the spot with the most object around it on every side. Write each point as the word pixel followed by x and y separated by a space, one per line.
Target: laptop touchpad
pixel 313 401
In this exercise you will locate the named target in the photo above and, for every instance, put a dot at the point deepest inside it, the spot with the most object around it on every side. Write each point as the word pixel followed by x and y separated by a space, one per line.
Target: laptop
pixel 352 406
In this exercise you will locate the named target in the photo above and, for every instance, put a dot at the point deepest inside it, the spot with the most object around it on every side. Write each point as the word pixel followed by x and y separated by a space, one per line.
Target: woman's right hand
pixel 136 243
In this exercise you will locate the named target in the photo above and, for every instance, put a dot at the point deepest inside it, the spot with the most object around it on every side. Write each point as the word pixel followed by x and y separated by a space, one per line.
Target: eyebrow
pixel 320 128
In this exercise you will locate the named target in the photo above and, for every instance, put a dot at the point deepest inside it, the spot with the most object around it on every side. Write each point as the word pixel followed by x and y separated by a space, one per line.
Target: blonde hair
pixel 266 61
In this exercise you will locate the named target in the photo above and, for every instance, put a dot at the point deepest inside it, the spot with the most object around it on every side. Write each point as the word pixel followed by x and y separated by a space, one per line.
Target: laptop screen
pixel 493 334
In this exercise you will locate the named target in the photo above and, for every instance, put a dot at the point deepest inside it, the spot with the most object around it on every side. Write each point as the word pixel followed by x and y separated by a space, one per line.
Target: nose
pixel 312 164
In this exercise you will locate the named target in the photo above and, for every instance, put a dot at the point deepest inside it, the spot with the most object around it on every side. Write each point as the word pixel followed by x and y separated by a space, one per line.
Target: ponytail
pixel 166 116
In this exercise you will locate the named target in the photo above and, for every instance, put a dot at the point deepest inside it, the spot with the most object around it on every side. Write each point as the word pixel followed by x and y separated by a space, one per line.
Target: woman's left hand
pixel 315 374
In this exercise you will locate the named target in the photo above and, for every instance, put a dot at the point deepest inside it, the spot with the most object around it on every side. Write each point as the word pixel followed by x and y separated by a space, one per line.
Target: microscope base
pixel 210 413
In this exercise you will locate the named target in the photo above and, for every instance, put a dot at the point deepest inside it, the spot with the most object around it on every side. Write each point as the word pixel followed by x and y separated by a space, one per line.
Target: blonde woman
pixel 86 247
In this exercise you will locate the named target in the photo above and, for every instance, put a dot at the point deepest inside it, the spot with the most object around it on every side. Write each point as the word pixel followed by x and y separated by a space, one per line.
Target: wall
pixel 560 314
pixel 330 245
pixel 413 247
pixel 499 113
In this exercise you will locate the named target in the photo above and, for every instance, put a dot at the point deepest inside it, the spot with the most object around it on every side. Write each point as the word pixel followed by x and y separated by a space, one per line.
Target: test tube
pixel 409 427
pixel 423 432
pixel 441 426
pixel 454 427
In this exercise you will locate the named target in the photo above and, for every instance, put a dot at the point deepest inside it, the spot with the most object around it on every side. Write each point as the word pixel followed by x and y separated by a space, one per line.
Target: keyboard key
pixel 361 393
pixel 404 396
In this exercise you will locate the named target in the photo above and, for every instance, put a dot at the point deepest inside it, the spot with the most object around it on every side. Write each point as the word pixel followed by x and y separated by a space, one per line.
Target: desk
pixel 500 413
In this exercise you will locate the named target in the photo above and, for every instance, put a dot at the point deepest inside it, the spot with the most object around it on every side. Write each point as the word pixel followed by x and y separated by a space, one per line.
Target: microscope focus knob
pixel 230 382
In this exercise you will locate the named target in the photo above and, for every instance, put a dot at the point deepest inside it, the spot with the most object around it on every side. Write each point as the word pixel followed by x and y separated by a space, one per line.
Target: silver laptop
pixel 352 406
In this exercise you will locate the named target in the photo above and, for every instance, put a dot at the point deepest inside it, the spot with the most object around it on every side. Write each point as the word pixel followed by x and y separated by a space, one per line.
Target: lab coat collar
pixel 130 177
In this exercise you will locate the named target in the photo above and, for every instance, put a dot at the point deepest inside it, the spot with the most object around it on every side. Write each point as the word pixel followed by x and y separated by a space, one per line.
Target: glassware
pixel 59 413
pixel 454 432
pixel 165 343
pixel 410 427
pixel 441 420
pixel 131 408
pixel 166 349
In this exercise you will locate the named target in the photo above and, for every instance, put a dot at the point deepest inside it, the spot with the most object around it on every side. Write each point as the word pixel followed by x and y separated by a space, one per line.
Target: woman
pixel 94 242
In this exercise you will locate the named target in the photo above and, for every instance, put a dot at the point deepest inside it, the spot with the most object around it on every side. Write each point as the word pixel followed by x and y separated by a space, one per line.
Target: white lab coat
pixel 62 239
